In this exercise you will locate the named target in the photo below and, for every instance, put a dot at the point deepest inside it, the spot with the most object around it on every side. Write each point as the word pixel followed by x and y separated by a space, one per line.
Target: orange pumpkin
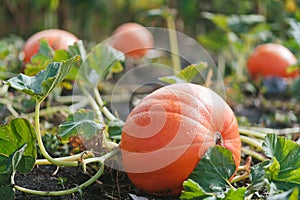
pixel 132 39
pixel 271 60
pixel 168 132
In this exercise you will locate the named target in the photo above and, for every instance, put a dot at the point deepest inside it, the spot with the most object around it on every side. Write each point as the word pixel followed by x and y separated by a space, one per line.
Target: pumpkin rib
pixel 193 97
pixel 229 129
pixel 161 98
pixel 173 113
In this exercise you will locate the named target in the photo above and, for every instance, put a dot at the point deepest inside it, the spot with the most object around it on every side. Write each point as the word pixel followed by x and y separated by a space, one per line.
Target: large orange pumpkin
pixel 132 39
pixel 271 60
pixel 56 38
pixel 168 132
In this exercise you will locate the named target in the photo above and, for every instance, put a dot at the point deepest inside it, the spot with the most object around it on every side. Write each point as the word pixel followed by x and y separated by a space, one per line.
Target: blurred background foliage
pixel 228 29
pixel 95 19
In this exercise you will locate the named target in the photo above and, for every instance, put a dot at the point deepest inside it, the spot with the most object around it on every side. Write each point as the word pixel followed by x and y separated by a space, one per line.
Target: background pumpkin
pixel 168 132
pixel 132 39
pixel 56 38
pixel 271 60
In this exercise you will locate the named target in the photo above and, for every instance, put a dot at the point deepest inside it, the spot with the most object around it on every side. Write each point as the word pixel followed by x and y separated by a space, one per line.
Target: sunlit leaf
pixel 192 190
pixel 237 194
pixel 186 75
pixel 219 19
pixel 45 81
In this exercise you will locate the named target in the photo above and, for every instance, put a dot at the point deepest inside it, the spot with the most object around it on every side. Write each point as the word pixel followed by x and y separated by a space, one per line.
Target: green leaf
pixel 292 194
pixel 7 192
pixel 115 129
pixel 45 49
pixel 45 81
pixel 258 176
pixel 272 169
pixel 237 194
pixel 219 19
pixel 214 169
pixel 6 175
pixel 60 55
pixel 192 190
pixel 14 135
pixel 82 122
pixel 287 154
pixel 186 75
pixel 103 59
pixel 282 172
pixel 210 178
pixel 40 60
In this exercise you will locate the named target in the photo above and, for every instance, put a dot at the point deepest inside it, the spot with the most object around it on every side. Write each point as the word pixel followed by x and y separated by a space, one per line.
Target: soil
pixel 112 184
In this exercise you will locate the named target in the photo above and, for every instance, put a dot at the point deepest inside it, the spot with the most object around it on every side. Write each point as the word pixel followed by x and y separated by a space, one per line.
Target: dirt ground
pixel 112 185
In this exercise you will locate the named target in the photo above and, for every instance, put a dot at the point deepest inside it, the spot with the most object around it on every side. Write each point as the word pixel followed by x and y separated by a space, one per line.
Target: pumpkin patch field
pixel 146 100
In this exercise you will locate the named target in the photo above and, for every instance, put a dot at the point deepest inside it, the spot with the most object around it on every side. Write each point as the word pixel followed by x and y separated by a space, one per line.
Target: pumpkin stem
pixel 219 139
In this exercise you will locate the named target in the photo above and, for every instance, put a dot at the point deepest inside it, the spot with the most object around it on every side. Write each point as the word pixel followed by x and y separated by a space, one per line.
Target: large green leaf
pixel 14 135
pixel 100 62
pixel 281 172
pixel 210 178
pixel 82 122
pixel 186 75
pixel 104 57
pixel 214 170
pixel 45 81
pixel 285 155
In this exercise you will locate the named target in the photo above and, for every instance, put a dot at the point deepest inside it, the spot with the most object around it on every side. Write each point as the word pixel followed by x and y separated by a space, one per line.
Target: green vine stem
pixel 285 131
pixel 253 133
pixel 77 157
pixel 251 142
pixel 100 160
pixel 103 108
pixel 169 16
pixel 63 192
pixel 240 178
pixel 93 104
pixel 40 141
pixel 10 107
pixel 253 154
